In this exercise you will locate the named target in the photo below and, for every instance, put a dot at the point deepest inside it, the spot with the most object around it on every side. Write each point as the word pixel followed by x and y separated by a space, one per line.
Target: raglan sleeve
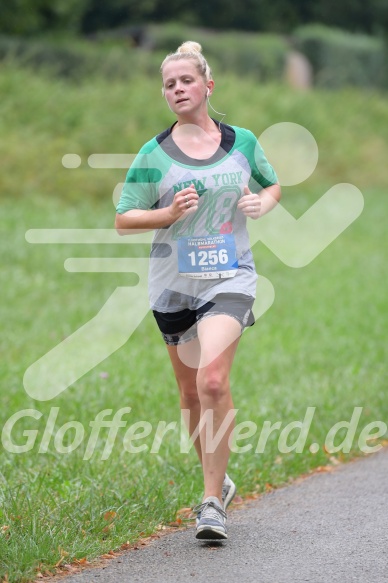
pixel 140 189
pixel 263 173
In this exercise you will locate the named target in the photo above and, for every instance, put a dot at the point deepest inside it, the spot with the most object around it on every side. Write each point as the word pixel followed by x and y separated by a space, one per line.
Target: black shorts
pixel 180 327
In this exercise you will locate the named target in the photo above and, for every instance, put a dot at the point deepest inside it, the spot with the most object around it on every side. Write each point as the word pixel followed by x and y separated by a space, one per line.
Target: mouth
pixel 182 100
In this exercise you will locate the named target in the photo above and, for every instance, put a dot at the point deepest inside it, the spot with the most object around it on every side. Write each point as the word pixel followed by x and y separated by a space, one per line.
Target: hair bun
pixel 189 47
pixel 190 50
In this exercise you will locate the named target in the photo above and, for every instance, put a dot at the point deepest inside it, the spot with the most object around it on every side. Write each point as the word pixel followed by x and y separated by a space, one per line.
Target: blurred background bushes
pixel 338 58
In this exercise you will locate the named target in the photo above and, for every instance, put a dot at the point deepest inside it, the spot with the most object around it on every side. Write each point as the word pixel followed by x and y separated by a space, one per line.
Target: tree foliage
pixel 30 17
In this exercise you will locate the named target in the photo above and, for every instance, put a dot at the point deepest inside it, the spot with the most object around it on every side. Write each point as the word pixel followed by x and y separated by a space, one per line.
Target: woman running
pixel 196 184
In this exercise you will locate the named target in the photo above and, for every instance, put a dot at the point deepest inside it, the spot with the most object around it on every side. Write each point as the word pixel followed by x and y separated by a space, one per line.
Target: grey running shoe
pixel 212 520
pixel 228 491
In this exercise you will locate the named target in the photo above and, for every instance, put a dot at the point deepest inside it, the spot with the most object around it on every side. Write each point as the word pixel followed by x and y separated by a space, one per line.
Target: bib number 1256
pixel 210 257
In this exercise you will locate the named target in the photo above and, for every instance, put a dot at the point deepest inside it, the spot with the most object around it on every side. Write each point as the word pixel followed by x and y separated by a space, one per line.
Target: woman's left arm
pixel 255 205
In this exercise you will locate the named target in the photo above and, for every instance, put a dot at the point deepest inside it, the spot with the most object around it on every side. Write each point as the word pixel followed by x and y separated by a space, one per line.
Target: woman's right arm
pixel 148 220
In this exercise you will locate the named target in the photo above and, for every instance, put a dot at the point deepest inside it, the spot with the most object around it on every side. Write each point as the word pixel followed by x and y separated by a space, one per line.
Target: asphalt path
pixel 330 527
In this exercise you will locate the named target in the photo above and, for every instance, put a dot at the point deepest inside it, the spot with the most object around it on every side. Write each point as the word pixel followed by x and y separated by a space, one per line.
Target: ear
pixel 209 88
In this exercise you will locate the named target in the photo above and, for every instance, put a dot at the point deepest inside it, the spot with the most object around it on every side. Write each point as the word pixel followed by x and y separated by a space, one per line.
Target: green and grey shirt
pixel 159 171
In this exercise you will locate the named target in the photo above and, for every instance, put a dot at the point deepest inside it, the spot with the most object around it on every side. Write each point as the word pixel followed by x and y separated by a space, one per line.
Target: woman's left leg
pixel 218 337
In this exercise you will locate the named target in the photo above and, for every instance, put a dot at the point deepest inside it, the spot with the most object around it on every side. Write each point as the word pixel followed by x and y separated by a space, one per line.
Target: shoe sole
pixel 209 534
pixel 230 496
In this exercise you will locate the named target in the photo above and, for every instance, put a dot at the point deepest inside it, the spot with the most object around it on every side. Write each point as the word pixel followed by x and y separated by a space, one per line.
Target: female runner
pixel 195 184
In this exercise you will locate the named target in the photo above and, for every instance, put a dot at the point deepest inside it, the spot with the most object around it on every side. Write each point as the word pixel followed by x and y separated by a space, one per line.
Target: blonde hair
pixel 190 50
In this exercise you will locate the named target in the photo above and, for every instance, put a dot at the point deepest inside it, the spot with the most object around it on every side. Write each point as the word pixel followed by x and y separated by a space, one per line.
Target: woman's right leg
pixel 186 378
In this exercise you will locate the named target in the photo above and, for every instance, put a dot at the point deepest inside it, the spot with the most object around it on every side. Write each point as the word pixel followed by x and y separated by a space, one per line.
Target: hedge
pixel 341 58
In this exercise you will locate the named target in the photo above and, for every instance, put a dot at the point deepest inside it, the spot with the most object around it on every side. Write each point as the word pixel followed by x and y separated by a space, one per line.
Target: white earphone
pixel 207 92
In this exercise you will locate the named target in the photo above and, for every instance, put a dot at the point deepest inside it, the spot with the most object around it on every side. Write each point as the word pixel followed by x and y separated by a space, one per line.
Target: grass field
pixel 322 344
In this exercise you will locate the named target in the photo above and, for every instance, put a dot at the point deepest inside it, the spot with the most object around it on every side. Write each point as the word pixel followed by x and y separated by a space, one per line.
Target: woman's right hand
pixel 185 202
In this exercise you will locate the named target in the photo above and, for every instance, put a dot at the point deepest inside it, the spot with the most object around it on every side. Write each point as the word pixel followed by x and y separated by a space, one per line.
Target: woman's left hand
pixel 250 204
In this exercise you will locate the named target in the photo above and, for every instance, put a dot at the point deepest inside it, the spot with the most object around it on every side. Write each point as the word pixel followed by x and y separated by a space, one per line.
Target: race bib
pixel 210 257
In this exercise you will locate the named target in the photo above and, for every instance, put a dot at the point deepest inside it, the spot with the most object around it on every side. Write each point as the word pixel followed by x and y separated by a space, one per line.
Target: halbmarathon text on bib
pixel 209 257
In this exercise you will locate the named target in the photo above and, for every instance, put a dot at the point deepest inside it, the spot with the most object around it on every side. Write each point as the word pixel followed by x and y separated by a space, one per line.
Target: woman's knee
pixel 188 393
pixel 212 384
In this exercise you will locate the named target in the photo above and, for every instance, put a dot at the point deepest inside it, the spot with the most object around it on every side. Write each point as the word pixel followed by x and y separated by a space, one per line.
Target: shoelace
pixel 210 510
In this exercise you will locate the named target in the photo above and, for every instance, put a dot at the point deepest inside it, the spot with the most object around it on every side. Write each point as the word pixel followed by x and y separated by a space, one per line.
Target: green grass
pixel 322 344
